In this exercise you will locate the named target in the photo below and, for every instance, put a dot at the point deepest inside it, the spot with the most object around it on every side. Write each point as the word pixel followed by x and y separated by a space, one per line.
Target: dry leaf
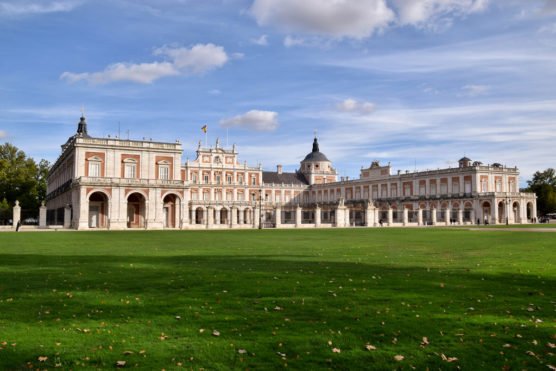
pixel 42 359
pixel 399 358
pixel 215 333
pixel 120 363
pixel 550 345
pixel 336 350
pixel 128 352
pixel 370 347
pixel 507 345
pixel 242 351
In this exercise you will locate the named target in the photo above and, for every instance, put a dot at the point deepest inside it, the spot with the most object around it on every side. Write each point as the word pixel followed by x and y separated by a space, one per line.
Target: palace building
pixel 112 183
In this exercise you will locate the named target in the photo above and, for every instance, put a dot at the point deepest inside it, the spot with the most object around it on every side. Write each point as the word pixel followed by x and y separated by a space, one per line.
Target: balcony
pixel 104 181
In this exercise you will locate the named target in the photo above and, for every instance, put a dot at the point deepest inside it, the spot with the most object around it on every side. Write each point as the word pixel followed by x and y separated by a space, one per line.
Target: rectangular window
pixel 94 168
pixel 278 197
pixel 218 179
pixel 229 196
pixel 240 196
pixel 254 179
pixel 130 171
pixel 433 188
pixel 422 189
pixel 253 197
pixel 455 187
pixel 498 186
pixel 218 196
pixel 483 186
pixel 288 198
pixel 194 196
pixel 206 196
pixel 240 179
pixel 206 179
pixel 229 179
pixel 194 178
pixel 443 188
pixel 163 172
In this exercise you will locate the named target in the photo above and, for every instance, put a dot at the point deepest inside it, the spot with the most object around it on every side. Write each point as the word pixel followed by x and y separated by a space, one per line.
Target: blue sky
pixel 418 83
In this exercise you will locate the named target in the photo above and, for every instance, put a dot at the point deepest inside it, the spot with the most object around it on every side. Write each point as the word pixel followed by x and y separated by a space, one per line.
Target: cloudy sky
pixel 418 83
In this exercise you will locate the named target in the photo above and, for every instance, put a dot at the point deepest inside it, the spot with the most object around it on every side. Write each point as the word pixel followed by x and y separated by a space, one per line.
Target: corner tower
pixel 316 167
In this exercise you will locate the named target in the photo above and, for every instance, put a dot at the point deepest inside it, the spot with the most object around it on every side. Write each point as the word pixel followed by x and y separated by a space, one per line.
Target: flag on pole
pixel 204 128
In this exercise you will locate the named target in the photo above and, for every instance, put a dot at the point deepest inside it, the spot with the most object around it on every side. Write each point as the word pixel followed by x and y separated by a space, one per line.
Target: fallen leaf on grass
pixel 507 345
pixel 242 351
pixel 370 347
pixel 120 363
pixel 336 350
pixel 550 345
pixel 215 333
pixel 399 358
pixel 448 359
pixel 128 352
pixel 42 359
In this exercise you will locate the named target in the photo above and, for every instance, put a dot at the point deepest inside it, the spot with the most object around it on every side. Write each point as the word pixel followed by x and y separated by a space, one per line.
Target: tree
pixel 543 185
pixel 21 178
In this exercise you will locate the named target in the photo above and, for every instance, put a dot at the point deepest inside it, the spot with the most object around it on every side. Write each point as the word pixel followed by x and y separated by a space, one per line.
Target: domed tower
pixel 316 167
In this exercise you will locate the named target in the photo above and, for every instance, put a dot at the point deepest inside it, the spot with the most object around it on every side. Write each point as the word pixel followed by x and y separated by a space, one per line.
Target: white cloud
pixel 353 106
pixel 336 18
pixel 3 134
pixel 359 18
pixel 262 41
pixel 195 60
pixel 430 13
pixel 475 90
pixel 254 119
pixel 22 7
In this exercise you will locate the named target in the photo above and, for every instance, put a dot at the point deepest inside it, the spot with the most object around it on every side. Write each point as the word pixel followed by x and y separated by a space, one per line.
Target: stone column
pixel 460 216
pixel 67 216
pixel 278 216
pixel 241 216
pixel 298 216
pixel 420 216
pixel 340 216
pixel 217 216
pixel 16 214
pixel 494 210
pixel 317 217
pixel 447 216
pixel 433 216
pixel 256 217
pixel 369 216
pixel 42 216
pixel 210 216
pixel 473 216
pixel 405 216
pixel 233 216
pixel 347 216
pixel 390 216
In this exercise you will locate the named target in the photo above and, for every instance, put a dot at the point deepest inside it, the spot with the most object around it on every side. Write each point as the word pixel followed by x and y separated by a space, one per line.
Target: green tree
pixel 21 178
pixel 543 185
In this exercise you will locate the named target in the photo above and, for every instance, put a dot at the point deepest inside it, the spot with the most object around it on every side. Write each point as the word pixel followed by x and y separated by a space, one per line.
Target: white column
pixel 217 216
pixel 241 216
pixel 460 215
pixel 16 214
pixel 447 215
pixel 42 216
pixel 278 216
pixel 210 216
pixel 340 216
pixel 256 217
pixel 233 216
pixel 473 216
pixel 420 216
pixel 494 210
pixel 67 216
pixel 390 216
pixel 405 215
pixel 346 216
pixel 317 217
pixel 298 216
pixel 433 216
pixel 369 216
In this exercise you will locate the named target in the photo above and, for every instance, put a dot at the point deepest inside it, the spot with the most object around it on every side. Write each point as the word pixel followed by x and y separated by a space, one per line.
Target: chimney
pixel 279 169
pixel 399 172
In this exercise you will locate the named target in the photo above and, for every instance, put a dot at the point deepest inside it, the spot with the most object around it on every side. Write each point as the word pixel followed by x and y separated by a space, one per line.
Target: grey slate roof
pixel 270 177
pixel 315 155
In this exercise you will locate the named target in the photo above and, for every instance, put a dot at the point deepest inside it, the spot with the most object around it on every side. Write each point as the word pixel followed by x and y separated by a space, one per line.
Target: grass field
pixel 302 299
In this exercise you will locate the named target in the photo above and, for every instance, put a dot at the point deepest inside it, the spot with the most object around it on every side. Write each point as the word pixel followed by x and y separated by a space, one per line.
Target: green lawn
pixel 304 299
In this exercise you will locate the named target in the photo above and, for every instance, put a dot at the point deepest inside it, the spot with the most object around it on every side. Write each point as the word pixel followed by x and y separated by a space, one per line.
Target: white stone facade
pixel 110 183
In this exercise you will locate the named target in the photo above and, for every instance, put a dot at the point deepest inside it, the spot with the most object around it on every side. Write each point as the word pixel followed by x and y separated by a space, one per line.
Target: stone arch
pixel 171 210
pixel 486 212
pixel 136 209
pixel 98 213
pixel 199 215
pixel 515 212
pixel 225 216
